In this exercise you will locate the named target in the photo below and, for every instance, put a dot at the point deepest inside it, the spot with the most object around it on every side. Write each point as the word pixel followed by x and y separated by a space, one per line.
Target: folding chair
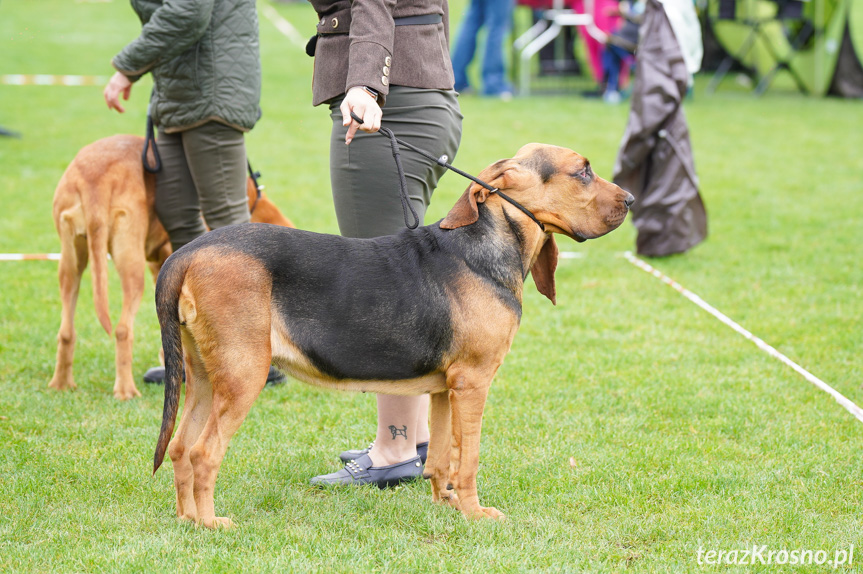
pixel 786 9
pixel 546 29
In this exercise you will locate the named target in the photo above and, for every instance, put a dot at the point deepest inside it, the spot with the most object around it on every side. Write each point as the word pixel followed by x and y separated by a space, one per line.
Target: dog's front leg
pixel 467 401
pixel 440 444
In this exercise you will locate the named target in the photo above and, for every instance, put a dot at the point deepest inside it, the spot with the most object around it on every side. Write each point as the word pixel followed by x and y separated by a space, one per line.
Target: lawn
pixel 627 430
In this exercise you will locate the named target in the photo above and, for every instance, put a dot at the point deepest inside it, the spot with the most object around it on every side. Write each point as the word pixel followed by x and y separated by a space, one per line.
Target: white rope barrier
pixel 51 80
pixel 29 256
pixel 32 256
pixel 839 397
pixel 286 28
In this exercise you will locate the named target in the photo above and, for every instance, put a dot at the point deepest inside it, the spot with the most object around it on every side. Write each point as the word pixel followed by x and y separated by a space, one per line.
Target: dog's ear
pixel 465 210
pixel 543 269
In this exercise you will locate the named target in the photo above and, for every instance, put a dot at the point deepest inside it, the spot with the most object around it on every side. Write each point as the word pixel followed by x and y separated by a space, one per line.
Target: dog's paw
pixel 217 522
pixel 483 512
pixel 126 393
pixel 60 384
pixel 491 512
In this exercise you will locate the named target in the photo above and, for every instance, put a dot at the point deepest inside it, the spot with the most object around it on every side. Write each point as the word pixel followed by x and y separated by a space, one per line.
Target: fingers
pixel 112 100
pixel 119 85
pixel 365 107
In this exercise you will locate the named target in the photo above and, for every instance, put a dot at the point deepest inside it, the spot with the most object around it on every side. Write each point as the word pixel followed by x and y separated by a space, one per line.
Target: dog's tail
pixel 98 228
pixel 168 287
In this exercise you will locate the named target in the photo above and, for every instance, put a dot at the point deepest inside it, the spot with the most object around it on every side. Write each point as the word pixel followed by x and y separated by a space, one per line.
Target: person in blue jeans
pixel 621 45
pixel 496 17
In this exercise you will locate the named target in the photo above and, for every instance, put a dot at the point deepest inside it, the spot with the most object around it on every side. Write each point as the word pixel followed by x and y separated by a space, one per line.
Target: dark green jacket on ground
pixel 204 58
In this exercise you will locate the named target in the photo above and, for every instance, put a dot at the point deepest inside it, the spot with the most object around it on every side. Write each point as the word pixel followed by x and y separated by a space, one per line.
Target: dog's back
pixel 102 194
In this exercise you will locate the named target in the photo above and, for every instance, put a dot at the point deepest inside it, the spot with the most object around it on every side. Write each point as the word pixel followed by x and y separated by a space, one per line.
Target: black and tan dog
pixel 433 310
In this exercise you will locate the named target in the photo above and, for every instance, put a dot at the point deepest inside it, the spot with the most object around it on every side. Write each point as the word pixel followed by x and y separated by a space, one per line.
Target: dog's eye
pixel 585 174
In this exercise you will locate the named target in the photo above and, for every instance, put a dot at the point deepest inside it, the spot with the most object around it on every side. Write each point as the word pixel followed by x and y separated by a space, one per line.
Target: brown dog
pixel 104 204
pixel 432 310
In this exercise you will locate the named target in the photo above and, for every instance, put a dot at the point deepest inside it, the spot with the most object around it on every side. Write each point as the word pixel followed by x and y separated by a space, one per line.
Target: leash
pixel 150 141
pixel 258 187
pixel 441 161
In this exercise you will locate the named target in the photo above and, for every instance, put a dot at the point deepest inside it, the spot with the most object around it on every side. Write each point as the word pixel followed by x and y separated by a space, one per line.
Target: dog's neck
pixel 501 246
pixel 524 231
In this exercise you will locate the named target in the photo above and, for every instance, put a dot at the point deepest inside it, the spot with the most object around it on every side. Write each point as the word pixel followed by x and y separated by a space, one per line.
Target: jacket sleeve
pixel 172 29
pixel 371 51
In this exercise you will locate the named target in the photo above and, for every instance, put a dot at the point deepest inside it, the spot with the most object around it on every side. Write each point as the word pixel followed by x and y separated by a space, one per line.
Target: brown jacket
pixel 359 44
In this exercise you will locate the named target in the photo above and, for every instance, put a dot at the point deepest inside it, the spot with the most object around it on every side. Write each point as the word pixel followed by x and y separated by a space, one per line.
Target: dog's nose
pixel 630 199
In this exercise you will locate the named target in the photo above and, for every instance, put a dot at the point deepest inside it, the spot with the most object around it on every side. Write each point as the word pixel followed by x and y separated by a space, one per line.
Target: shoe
pixel 156 375
pixel 275 376
pixel 611 97
pixel 349 455
pixel 504 95
pixel 361 472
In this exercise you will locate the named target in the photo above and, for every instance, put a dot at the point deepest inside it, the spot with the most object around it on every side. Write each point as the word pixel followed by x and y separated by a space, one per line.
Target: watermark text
pixel 761 554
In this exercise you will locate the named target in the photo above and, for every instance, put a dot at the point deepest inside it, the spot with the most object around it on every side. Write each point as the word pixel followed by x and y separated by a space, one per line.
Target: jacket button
pixel 385 81
pixel 335 23
pixel 388 61
pixel 386 71
pixel 323 21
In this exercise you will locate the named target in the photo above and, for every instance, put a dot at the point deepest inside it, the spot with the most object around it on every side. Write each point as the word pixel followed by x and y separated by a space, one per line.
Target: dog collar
pixel 504 196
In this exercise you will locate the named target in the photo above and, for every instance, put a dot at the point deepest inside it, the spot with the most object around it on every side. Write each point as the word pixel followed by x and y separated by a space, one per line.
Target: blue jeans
pixel 612 62
pixel 496 17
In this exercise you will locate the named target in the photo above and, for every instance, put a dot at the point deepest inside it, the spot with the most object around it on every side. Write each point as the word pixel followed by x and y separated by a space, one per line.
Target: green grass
pixel 626 429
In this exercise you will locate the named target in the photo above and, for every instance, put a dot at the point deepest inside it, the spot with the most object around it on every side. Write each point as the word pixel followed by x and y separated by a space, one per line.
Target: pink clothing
pixel 605 22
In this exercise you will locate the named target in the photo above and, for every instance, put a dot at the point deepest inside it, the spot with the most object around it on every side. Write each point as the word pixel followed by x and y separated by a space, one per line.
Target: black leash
pixel 441 161
pixel 258 187
pixel 150 141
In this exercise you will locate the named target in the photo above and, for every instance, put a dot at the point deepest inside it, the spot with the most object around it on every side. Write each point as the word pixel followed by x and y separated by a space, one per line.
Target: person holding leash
pixel 205 62
pixel 387 63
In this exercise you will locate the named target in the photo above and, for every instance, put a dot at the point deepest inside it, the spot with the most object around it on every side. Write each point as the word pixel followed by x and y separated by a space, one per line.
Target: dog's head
pixel 559 187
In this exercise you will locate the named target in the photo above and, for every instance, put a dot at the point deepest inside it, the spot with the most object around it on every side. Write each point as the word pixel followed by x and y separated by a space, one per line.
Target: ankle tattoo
pixel 399 431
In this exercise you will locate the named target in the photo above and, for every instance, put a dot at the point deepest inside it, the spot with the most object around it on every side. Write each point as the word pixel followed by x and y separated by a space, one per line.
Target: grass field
pixel 627 429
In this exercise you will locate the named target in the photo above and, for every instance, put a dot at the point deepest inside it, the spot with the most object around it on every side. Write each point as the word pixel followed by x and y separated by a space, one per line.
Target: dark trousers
pixel 203 174
pixel 363 174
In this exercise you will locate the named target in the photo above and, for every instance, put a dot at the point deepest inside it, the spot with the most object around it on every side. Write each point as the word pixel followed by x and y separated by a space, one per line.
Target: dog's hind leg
pixel 468 392
pixel 233 395
pixel 127 251
pixel 73 261
pixel 196 410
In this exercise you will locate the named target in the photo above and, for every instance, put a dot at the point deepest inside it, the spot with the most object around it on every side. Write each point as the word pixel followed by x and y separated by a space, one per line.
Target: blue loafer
pixel 349 455
pixel 360 472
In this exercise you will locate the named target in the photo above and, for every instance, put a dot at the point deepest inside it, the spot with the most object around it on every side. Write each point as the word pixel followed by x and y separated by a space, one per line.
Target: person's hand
pixel 360 102
pixel 117 85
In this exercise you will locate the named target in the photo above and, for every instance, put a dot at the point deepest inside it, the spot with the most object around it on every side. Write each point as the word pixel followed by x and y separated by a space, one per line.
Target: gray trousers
pixel 203 174
pixel 363 174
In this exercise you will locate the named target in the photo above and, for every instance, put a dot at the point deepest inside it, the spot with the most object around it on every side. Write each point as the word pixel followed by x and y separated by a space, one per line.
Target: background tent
pixel 822 46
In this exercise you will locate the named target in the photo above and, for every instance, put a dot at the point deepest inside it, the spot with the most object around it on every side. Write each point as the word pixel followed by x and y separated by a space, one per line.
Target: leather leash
pixel 441 161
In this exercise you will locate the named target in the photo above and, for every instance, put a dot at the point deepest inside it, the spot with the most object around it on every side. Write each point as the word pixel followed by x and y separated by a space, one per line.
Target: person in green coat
pixel 205 61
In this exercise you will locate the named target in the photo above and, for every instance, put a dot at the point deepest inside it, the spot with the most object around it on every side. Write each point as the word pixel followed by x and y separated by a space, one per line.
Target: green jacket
pixel 204 58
